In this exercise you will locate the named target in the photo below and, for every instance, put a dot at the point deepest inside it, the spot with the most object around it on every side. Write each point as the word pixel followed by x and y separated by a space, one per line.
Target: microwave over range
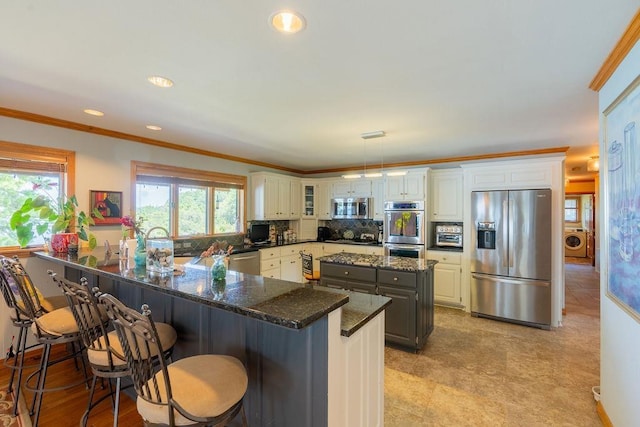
pixel 352 208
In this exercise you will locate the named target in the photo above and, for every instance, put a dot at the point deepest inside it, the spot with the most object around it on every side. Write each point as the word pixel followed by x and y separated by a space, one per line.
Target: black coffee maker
pixel 324 233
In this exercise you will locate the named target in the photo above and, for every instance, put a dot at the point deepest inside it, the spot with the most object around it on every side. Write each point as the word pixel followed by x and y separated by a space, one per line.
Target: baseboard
pixel 606 422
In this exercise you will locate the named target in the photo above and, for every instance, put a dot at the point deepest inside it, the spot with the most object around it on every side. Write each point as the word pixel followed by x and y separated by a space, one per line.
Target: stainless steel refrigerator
pixel 511 256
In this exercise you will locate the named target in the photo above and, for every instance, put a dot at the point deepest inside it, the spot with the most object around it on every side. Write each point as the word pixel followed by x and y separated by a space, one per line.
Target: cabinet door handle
pixel 395 279
pixel 346 273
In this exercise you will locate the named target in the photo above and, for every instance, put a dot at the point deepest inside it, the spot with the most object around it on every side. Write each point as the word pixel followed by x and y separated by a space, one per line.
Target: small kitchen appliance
pixel 351 208
pixel 324 233
pixel 448 235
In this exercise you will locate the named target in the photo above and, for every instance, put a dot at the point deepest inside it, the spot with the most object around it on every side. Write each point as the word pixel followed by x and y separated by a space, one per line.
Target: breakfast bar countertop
pixel 289 304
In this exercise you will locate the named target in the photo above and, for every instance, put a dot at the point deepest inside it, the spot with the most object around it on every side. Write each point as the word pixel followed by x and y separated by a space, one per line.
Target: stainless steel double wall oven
pixel 404 225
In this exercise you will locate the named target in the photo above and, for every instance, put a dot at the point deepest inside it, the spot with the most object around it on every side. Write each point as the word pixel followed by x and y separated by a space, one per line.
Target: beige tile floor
pixel 480 372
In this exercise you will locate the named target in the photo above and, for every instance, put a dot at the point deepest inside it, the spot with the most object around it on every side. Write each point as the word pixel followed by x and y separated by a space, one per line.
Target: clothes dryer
pixel 575 243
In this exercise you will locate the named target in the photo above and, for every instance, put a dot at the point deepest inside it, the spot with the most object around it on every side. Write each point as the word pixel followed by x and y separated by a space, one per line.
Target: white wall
pixel 620 333
pixel 102 163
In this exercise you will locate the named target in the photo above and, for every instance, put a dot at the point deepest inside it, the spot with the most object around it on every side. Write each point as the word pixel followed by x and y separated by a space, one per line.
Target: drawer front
pixel 349 272
pixel 290 250
pixel 269 253
pixel 445 257
pixel 397 278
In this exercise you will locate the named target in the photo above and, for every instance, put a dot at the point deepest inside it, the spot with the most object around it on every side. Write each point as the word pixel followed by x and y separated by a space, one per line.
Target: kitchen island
pixel 314 357
pixel 407 281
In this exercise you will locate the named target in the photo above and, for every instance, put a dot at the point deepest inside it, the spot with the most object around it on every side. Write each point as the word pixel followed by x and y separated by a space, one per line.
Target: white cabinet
pixel 270 262
pixel 323 200
pixel 291 267
pixel 295 198
pixel 275 196
pixel 405 187
pixel 446 195
pixel 309 195
pixel 352 188
pixel 447 277
pixel 377 193
pixel 282 262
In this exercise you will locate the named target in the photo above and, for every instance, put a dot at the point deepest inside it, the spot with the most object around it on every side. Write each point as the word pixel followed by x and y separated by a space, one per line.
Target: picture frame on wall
pixel 109 204
pixel 622 199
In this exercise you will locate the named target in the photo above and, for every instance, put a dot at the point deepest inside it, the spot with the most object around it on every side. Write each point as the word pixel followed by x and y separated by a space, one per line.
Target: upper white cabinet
pixel 309 196
pixel 352 188
pixel 377 193
pixel 323 200
pixel 275 196
pixel 446 195
pixel 407 187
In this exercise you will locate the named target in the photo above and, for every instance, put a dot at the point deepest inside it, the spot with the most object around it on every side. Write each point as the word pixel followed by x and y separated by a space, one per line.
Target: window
pixel 571 209
pixel 21 166
pixel 189 202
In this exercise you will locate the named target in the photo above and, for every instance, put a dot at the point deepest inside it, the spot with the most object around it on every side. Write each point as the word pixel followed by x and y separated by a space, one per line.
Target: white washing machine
pixel 575 243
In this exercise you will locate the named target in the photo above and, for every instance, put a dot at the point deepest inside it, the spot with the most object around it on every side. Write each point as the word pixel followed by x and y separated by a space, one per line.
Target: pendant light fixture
pixel 365 136
pixel 593 164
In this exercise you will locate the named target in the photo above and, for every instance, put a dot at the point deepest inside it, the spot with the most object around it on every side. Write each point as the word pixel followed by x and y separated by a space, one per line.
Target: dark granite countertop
pixel 360 309
pixel 379 261
pixel 288 304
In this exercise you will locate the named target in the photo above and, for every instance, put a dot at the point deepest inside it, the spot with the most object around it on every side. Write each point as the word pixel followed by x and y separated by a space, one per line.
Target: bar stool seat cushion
pixel 206 385
pixel 168 337
pixel 56 323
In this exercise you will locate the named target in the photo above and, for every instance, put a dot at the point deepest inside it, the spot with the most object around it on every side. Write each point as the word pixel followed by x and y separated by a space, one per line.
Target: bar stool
pixel 199 390
pixel 92 321
pixel 21 320
pixel 49 328
pixel 307 268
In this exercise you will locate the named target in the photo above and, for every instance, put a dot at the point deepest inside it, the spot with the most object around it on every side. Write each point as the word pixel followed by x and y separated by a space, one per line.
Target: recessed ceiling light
pixel 160 81
pixel 94 112
pixel 153 127
pixel 287 21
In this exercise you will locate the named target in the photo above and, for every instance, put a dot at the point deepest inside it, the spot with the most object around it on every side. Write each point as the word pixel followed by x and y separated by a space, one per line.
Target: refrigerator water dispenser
pixel 486 235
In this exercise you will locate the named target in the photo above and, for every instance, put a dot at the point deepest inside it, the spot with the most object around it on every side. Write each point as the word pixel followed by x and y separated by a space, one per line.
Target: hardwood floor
pixel 65 408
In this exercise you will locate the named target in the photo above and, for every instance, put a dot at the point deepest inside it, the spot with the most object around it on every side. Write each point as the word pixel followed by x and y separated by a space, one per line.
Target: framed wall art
pixel 109 204
pixel 622 199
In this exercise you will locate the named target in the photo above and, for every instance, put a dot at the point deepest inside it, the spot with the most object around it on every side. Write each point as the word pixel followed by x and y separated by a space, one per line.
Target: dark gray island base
pixel 407 281
pixel 290 336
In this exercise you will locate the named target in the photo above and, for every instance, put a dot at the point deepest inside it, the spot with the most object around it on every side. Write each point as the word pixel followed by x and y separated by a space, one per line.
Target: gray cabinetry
pixel 350 277
pixel 409 317
pixel 400 316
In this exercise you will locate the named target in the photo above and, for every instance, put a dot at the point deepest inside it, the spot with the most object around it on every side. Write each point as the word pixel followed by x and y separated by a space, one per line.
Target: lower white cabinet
pixel 447 277
pixel 291 263
pixel 270 262
pixel 282 262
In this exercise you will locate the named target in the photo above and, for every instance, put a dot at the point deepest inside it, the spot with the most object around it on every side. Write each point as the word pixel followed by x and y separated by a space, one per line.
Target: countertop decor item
pixel 44 212
pixel 159 252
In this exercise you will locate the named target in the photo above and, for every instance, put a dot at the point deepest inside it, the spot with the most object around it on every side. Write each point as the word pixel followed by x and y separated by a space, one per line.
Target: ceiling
pixel 443 79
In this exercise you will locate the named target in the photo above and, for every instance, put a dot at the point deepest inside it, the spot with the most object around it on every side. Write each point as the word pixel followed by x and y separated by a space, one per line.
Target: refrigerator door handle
pixel 511 231
pixel 511 281
pixel 505 235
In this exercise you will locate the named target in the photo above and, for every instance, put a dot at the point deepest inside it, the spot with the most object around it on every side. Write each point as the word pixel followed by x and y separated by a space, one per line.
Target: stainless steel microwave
pixel 352 208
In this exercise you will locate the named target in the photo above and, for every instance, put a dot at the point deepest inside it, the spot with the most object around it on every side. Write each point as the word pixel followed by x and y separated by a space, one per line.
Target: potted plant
pixel 44 213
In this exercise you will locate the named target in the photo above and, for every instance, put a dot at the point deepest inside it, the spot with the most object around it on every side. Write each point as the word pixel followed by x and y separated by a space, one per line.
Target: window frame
pixel 36 153
pixel 577 209
pixel 154 169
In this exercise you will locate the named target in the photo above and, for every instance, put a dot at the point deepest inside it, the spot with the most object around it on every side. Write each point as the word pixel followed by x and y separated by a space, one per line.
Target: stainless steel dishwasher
pixel 245 262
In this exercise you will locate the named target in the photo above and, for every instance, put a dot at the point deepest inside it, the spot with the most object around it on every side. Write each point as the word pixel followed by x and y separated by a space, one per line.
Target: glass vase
pixel 140 257
pixel 218 269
